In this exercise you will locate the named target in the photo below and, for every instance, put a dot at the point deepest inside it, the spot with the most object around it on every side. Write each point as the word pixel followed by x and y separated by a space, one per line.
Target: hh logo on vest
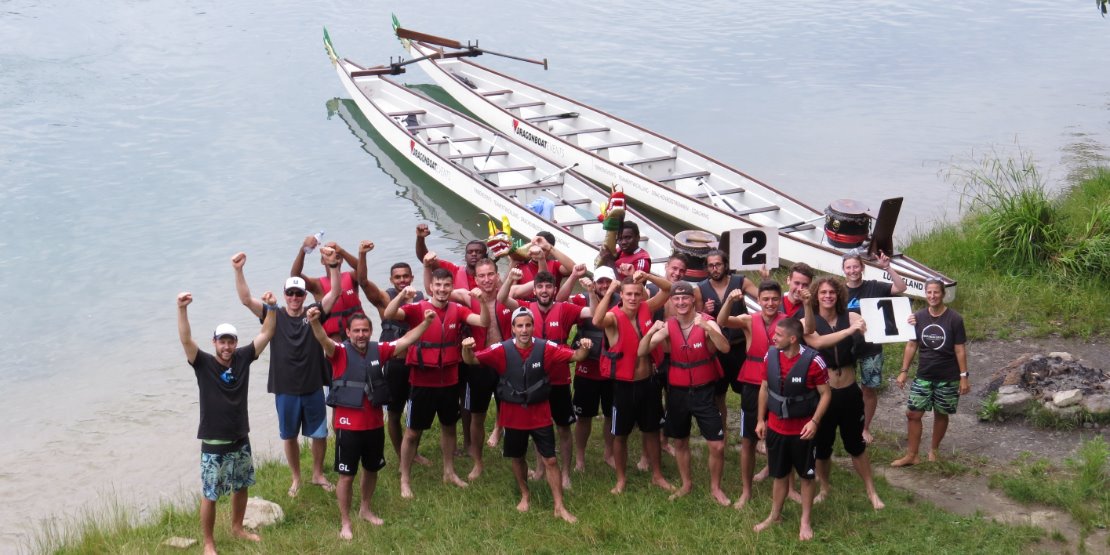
pixel 451 327
pixel 537 364
pixel 553 324
pixel 697 345
pixel 795 380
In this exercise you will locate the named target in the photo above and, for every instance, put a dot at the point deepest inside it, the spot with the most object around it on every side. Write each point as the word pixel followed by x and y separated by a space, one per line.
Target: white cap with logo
pixel 295 283
pixel 225 330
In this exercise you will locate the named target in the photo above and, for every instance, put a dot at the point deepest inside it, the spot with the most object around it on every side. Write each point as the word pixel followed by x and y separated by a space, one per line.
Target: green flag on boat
pixel 328 47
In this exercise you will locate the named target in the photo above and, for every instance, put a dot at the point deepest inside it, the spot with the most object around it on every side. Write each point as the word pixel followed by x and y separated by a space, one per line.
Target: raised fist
pixel 239 260
pixel 184 298
pixel 422 230
pixel 365 246
pixel 313 314
pixel 269 298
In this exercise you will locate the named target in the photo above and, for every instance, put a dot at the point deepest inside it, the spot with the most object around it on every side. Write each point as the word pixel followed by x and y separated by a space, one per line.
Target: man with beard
pixel 463 275
pixel 298 370
pixel 347 303
pixel 434 370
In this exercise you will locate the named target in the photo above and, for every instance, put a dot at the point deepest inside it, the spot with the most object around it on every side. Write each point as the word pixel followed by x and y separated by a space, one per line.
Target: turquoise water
pixel 144 143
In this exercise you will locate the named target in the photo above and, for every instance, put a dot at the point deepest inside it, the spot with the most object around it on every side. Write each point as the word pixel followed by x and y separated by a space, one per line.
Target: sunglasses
pixel 294 293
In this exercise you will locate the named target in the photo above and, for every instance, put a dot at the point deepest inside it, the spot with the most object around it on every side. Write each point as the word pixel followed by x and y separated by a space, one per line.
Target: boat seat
pixel 577 223
pixel 430 126
pixel 521 187
pixel 751 211
pixel 614 145
pixel 476 155
pixel 581 131
pixel 458 140
pixel 407 113
pixel 705 194
pixel 577 201
pixel 497 92
pixel 650 160
pixel 523 105
pixel 677 176
pixel 792 229
pixel 552 117
pixel 506 170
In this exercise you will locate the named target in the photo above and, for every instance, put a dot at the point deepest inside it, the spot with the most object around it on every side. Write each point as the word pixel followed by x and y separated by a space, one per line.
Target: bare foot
pixel 821 495
pixel 209 549
pixel 324 484
pixel 294 488
pixel 720 497
pixel 537 474
pixel 566 481
pixel 611 462
pixel 345 532
pixel 422 460
pixel 565 515
pixel 761 448
pixel 744 498
pixel 452 478
pixel 681 492
pixel 246 535
pixel 523 505
pixel 762 474
pixel 642 466
pixel 668 449
pixel 876 502
pixel 618 489
pixel 794 496
pixel 766 524
pixel 580 466
pixel 908 460
pixel 370 517
pixel 474 472
pixel 494 438
pixel 933 457
pixel 805 533
pixel 406 491
pixel 662 483
pixel 867 437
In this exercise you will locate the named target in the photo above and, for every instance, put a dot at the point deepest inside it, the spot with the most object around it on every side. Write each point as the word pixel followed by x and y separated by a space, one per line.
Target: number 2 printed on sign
pixel 754 248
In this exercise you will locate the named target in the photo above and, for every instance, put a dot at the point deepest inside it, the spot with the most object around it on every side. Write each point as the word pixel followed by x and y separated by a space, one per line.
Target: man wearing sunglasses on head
pixel 298 369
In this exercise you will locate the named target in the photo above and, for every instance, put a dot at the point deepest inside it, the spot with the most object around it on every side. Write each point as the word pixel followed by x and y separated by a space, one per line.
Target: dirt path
pixel 994 445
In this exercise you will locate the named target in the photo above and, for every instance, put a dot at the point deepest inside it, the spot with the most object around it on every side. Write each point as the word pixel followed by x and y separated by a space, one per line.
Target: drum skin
pixel 694 245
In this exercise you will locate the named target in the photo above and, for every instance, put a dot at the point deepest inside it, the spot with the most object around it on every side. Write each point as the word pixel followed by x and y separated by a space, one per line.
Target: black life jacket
pixel 795 400
pixel 524 382
pixel 392 330
pixel 738 307
pixel 364 378
pixel 842 354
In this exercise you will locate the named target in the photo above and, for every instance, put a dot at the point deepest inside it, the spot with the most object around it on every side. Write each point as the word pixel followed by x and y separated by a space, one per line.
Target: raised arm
pixel 344 255
pixel 268 325
pixel 549 250
pixel 713 332
pixel 413 335
pixel 244 292
pixel 331 258
pixel 511 278
pixel 724 317
pixel 660 298
pixel 422 231
pixel 393 309
pixel 897 282
pixel 184 331
pixel 468 351
pixel 297 270
pixel 567 287
pixel 431 262
pixel 482 319
pixel 583 350
pixel 601 316
pixel 654 337
pixel 313 315
pixel 818 341
pixel 373 293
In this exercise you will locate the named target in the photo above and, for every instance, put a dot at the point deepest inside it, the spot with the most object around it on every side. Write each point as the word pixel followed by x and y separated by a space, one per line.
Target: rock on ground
pixel 261 512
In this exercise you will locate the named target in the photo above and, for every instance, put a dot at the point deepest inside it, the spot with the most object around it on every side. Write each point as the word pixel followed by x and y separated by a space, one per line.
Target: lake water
pixel 144 143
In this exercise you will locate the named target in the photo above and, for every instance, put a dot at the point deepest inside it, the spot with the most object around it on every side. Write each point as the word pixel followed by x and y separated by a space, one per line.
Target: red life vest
pixel 501 318
pixel 440 345
pixel 549 326
pixel 462 279
pixel 754 368
pixel 623 355
pixel 346 305
pixel 691 362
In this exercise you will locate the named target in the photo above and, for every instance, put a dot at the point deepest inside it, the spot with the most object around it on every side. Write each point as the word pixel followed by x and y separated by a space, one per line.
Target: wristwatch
pixel 963 374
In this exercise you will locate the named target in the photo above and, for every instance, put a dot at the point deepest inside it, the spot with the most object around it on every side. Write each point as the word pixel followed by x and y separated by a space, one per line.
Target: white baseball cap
pixel 225 329
pixel 295 283
pixel 604 272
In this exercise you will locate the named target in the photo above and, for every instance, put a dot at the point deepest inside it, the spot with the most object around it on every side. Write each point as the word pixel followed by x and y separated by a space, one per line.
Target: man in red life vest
pixel 554 321
pixel 793 398
pixel 434 370
pixel 692 342
pixel 359 390
pixel 347 303
pixel 636 394
pixel 526 366
pixel 463 275
pixel 793 303
pixel 591 389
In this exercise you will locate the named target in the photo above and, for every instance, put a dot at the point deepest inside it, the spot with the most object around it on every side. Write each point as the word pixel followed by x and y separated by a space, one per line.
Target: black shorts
pixel 587 394
pixel 425 403
pixel 516 442
pixel 562 409
pixel 845 412
pixel 637 404
pixel 697 402
pixel 359 446
pixel 397 374
pixel 480 383
pixel 730 363
pixel 749 409
pixel 786 452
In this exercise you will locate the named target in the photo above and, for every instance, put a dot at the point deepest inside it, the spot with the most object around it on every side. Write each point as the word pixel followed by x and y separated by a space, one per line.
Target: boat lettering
pixel 427 160
pixel 910 283
pixel 528 135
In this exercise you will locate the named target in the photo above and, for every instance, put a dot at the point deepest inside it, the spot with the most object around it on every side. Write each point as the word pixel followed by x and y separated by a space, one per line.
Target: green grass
pixel 482 518
pixel 1081 485
pixel 1027 265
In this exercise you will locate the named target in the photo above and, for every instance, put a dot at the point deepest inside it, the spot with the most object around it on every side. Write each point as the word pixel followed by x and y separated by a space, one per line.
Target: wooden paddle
pixel 472 49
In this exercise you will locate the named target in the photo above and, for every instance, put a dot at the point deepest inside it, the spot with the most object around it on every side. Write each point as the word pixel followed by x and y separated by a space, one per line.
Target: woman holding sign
pixel 832 329
pixel 941 371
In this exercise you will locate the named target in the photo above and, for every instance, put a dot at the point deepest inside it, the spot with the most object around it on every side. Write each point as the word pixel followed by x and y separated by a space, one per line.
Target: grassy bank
pixel 1027 264
pixel 482 518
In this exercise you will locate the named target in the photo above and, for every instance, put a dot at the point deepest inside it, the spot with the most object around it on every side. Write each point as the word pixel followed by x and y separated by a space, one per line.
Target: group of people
pixel 652 352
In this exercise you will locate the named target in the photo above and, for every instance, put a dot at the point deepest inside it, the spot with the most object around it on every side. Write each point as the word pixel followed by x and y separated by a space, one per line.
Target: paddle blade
pixel 430 39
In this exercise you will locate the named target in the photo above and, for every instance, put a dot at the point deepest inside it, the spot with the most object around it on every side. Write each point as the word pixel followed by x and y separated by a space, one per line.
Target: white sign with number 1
pixel 886 319
pixel 753 248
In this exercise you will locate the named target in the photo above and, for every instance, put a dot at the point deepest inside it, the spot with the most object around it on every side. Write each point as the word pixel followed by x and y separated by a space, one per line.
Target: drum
pixel 695 246
pixel 847 223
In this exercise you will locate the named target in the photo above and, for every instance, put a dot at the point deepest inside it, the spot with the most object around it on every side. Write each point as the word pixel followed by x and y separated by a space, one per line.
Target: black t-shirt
pixel 223 394
pixel 868 289
pixel 937 338
pixel 297 363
